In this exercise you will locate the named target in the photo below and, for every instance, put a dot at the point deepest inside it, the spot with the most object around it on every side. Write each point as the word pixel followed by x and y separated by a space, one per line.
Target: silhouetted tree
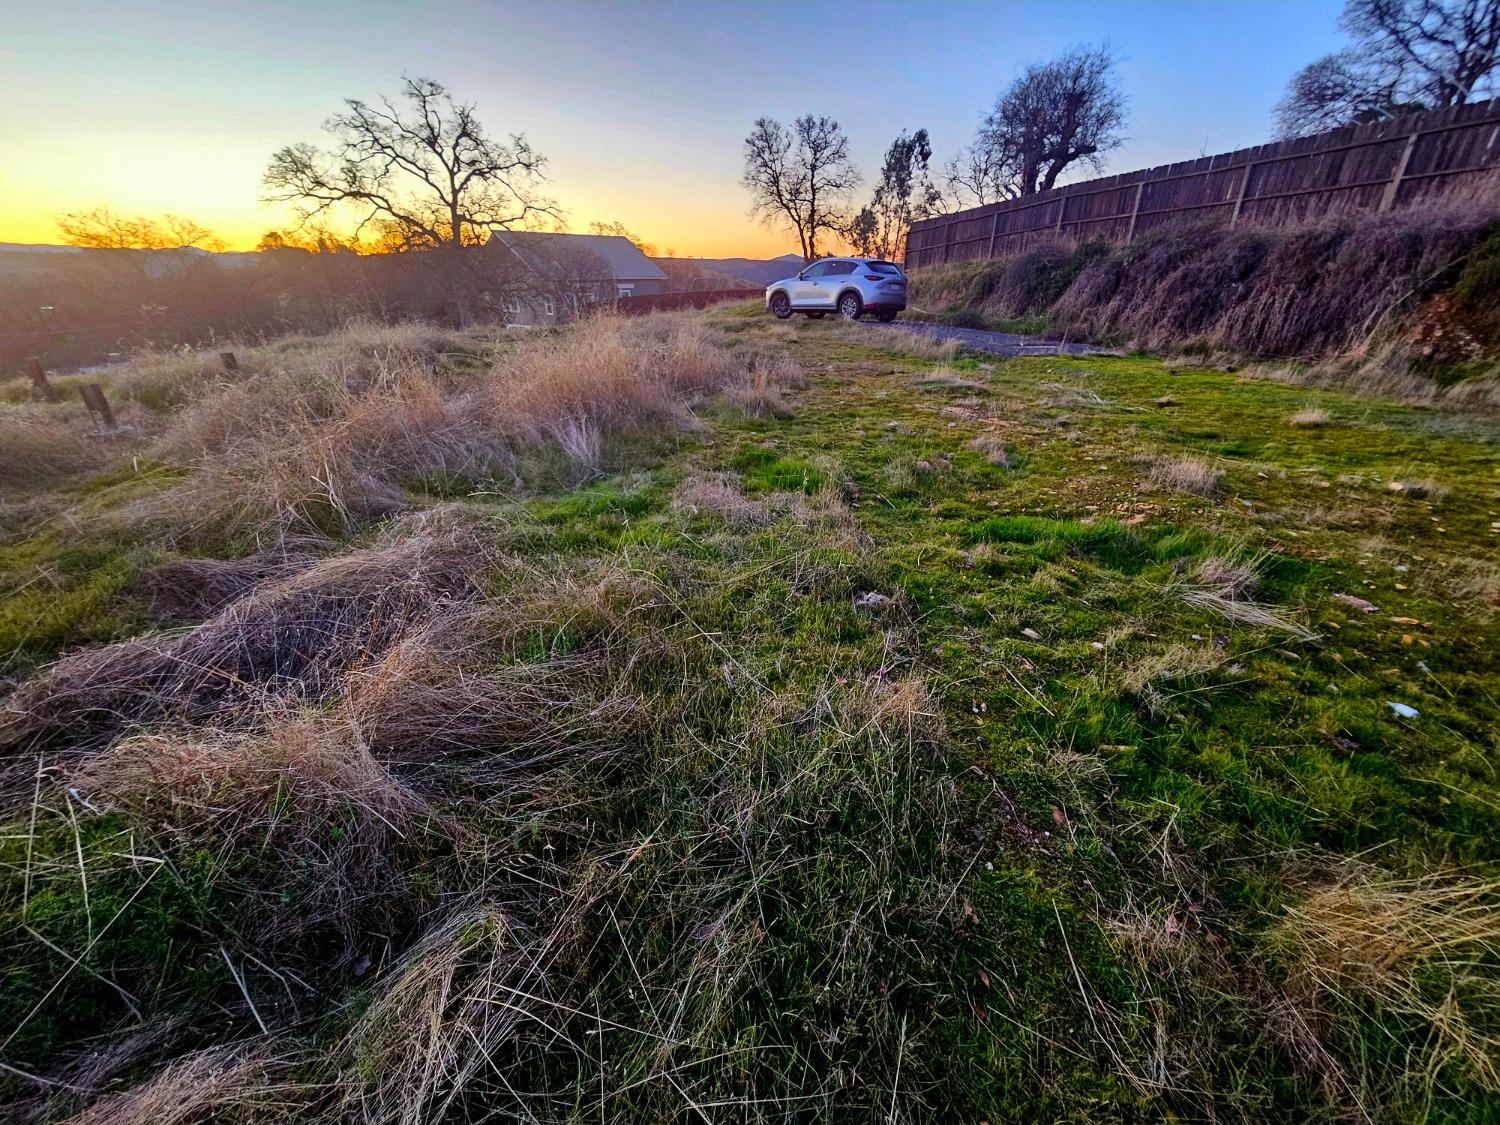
pixel 102 229
pixel 423 174
pixel 1056 114
pixel 903 194
pixel 802 175
pixel 1407 56
pixel 618 228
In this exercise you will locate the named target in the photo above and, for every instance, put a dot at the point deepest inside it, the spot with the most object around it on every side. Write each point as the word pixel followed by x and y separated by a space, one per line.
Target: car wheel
pixel 850 306
pixel 885 317
pixel 781 306
pixel 816 316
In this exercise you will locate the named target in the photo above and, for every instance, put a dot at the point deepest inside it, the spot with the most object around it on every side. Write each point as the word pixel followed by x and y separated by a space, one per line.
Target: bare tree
pixel 422 173
pixel 1407 55
pixel 102 229
pixel 802 175
pixel 428 168
pixel 1055 114
pixel 904 193
pixel 980 173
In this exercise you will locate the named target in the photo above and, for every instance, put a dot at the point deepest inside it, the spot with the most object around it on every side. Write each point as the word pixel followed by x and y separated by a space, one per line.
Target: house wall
pixel 531 311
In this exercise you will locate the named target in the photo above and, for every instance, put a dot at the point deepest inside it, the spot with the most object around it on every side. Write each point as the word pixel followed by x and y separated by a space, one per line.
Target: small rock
pixel 1404 710
pixel 1031 634
pixel 870 599
pixel 1358 603
pixel 1096 646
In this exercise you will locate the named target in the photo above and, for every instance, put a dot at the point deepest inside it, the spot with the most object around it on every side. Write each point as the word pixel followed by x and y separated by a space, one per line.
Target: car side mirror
pixel 802 276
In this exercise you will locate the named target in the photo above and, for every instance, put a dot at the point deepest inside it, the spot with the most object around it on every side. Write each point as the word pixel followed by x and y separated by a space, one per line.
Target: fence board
pixel 1359 167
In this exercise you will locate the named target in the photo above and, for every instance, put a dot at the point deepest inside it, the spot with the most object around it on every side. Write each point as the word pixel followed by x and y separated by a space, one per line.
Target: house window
pixel 626 290
pixel 513 307
pixel 548 307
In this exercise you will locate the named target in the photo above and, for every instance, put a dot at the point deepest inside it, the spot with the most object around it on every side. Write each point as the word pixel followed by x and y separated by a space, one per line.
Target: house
pixel 561 274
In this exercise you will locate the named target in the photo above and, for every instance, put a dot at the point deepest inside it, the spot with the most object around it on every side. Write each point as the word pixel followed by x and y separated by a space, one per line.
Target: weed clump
pixel 1191 475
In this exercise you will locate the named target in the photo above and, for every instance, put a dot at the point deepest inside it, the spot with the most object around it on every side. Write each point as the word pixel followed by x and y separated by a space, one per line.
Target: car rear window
pixel 837 268
pixel 883 267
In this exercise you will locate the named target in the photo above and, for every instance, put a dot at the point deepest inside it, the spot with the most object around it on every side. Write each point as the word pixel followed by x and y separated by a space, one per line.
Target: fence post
pixel 230 361
pixel 1239 196
pixel 994 226
pixel 1388 196
pixel 93 398
pixel 1135 209
pixel 39 382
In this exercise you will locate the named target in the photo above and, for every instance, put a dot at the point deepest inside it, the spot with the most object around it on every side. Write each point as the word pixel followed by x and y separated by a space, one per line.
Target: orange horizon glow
pixel 706 240
pixel 158 107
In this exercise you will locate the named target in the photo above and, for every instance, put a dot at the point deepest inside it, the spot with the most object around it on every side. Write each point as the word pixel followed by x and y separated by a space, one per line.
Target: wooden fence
pixel 1359 167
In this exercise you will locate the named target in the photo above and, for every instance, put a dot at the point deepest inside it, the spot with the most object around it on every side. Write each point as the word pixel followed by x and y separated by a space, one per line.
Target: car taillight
pixel 872 277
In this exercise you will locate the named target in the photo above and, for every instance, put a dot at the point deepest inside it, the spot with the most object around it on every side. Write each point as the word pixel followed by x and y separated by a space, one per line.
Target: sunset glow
pixel 165 107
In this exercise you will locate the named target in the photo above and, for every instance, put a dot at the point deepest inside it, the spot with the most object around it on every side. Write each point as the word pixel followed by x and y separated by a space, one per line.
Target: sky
pixel 159 106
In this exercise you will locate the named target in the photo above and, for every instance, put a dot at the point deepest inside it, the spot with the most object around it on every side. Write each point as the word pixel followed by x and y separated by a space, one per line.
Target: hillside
pixel 782 721
pixel 753 271
pixel 1403 302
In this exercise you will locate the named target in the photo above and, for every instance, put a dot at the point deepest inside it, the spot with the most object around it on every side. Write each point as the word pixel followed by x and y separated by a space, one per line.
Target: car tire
pixel 816 316
pixel 850 306
pixel 885 317
pixel 781 306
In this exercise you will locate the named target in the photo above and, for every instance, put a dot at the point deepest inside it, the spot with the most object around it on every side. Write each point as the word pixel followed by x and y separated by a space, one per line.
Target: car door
pixel 833 280
pixel 807 291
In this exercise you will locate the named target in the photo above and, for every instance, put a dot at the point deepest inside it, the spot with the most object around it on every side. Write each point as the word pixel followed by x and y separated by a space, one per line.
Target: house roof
pixel 564 254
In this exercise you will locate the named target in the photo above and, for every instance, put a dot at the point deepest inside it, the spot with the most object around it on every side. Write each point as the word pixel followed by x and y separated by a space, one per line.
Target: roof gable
pixel 557 254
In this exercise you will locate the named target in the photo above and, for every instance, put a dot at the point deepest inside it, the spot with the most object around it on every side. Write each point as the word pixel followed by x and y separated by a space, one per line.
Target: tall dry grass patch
pixel 291 637
pixel 226 1084
pixel 1427 949
pixel 1190 475
pixel 322 436
pixel 301 792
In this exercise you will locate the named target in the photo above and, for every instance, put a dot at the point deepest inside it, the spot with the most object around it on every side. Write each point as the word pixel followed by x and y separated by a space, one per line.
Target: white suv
pixel 849 286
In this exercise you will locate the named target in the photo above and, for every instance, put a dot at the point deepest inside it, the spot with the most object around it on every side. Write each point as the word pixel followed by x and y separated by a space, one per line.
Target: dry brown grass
pixel 719 495
pixel 301 791
pixel 291 637
pixel 992 448
pixel 1191 475
pixel 611 373
pixel 1423 948
pixel 1151 676
pixel 472 983
pixel 1311 418
pixel 42 444
pixel 899 341
pixel 1225 585
pixel 224 1084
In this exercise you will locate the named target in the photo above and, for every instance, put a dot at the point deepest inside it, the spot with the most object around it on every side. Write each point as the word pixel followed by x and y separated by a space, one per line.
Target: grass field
pixel 793 729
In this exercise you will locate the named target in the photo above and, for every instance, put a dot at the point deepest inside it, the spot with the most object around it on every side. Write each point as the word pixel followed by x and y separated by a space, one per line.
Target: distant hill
pixel 753 271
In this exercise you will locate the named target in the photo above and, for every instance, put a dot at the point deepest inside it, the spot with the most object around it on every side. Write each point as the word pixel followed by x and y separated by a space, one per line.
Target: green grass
pixel 1045 885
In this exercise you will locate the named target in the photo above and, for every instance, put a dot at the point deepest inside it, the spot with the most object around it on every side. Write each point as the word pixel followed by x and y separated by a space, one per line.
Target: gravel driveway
pixel 1000 343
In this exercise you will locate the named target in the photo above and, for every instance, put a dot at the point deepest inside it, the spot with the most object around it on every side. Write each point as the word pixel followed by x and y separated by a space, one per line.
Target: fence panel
pixel 1356 168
